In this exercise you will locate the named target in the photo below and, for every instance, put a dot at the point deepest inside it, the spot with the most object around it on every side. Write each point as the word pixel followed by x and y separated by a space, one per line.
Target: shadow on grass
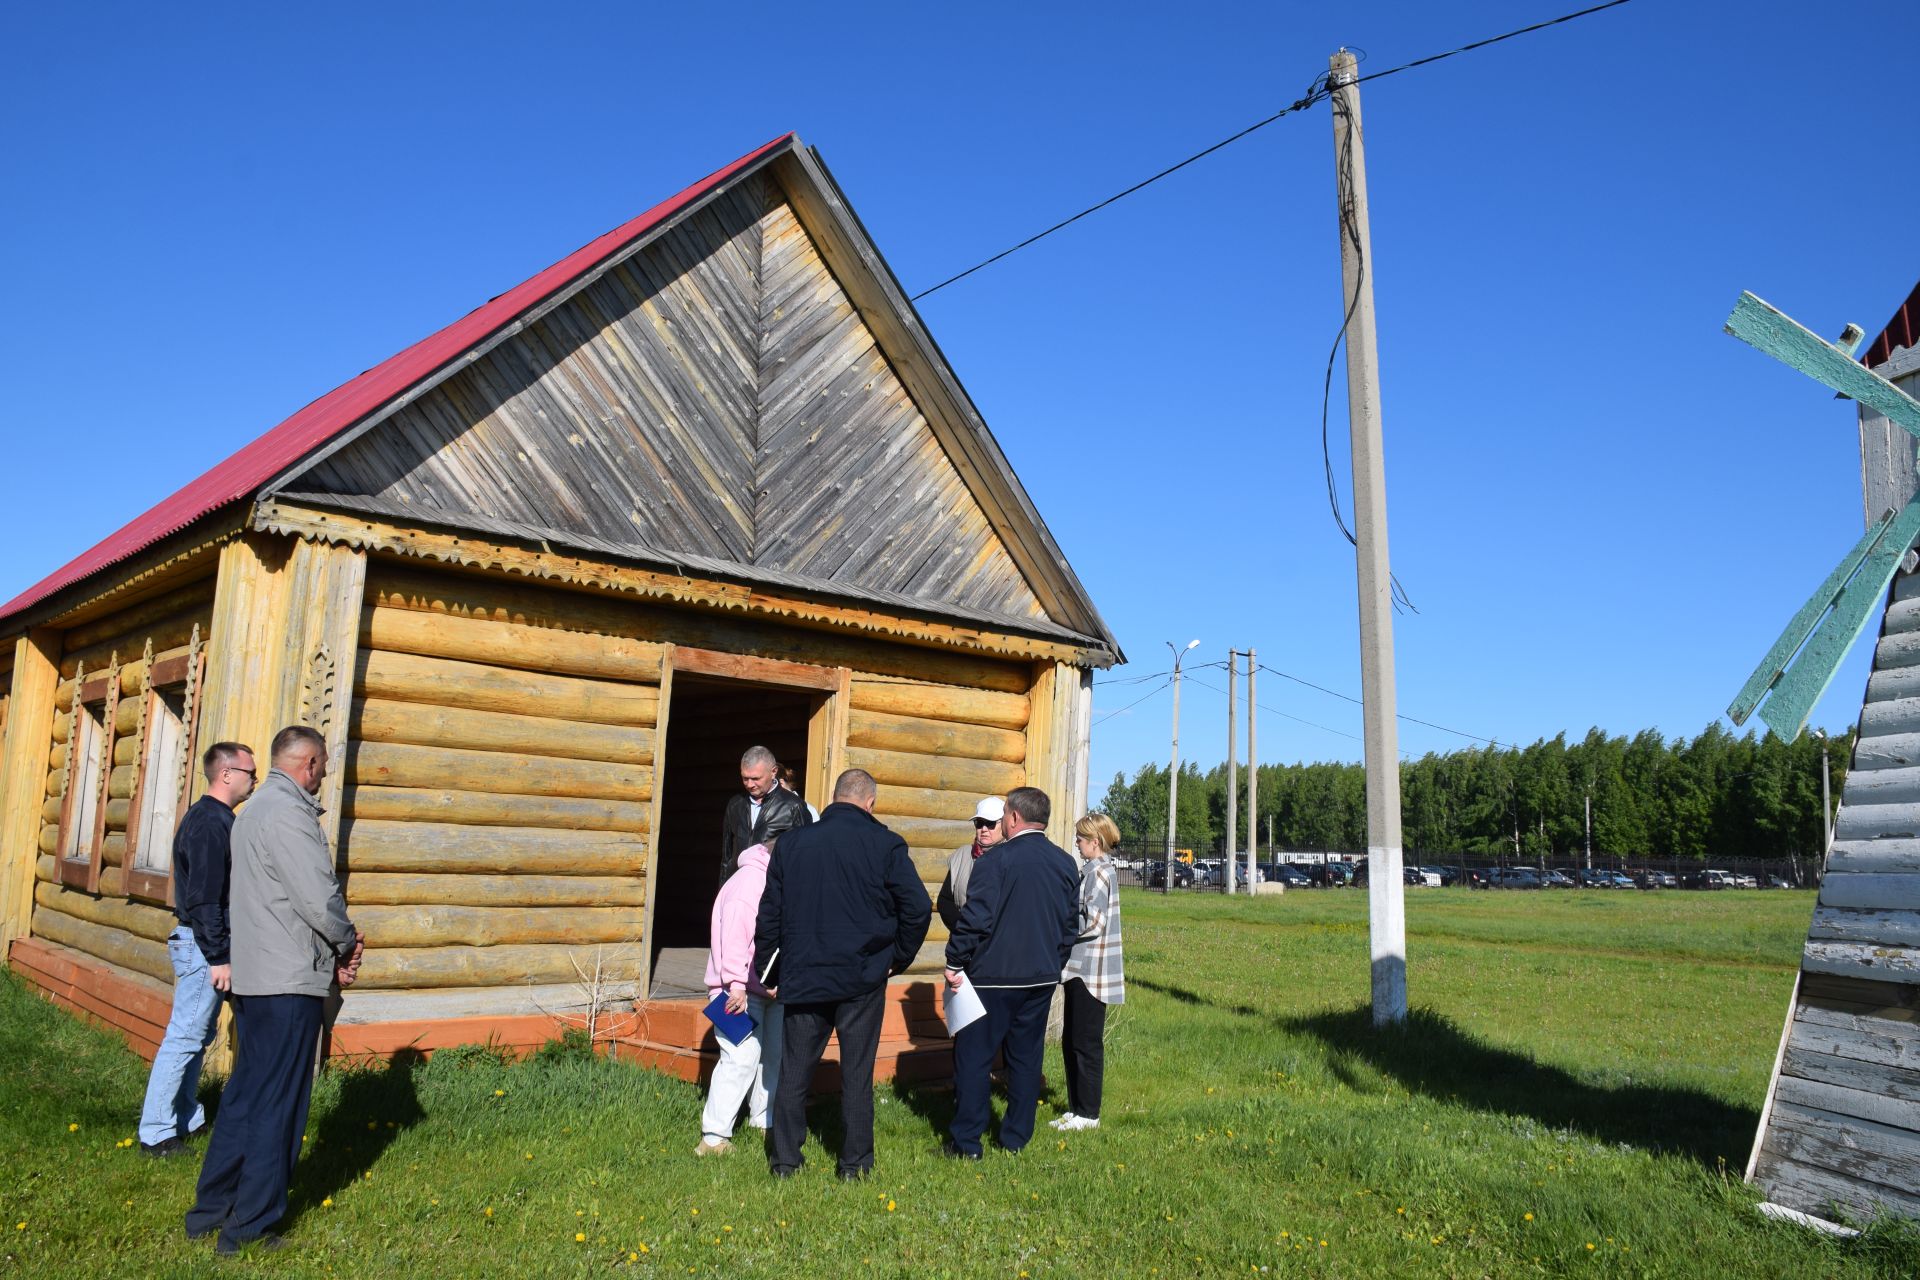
pixel 375 1105
pixel 1432 1056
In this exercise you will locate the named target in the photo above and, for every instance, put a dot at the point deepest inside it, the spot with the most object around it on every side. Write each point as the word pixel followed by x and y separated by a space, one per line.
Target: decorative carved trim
pixel 317 692
pixel 576 571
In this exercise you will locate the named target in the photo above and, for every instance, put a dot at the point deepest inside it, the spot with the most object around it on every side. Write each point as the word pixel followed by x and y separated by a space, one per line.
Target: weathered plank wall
pixel 717 394
pixel 499 779
pixel 1842 1124
pixel 109 926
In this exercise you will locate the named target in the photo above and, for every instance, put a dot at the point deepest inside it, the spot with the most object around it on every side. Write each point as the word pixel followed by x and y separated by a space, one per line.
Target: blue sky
pixel 1603 507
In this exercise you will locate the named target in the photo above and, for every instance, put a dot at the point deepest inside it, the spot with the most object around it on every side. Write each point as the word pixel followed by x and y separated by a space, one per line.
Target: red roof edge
pixel 1901 331
pixel 258 462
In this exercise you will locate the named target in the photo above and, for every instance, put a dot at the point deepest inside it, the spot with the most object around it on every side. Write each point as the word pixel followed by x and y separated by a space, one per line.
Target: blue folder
pixel 732 1027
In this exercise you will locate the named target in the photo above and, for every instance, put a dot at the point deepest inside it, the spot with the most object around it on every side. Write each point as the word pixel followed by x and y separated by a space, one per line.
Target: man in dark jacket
pixel 749 813
pixel 843 909
pixel 1012 939
pixel 202 971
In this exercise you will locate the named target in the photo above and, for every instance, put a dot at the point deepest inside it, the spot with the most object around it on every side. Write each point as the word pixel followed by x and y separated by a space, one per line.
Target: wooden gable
pixel 716 394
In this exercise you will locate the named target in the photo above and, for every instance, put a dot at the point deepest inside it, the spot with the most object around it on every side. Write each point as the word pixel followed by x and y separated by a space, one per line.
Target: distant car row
pixel 1209 871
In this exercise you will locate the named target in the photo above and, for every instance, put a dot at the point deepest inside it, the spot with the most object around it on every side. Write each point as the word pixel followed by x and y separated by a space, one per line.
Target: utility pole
pixel 1233 773
pixel 1173 773
pixel 1589 830
pixel 1826 809
pixel 1253 782
pixel 1386 893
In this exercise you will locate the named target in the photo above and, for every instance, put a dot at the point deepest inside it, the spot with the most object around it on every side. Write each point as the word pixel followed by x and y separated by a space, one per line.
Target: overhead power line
pixel 1282 714
pixel 1347 697
pixel 1316 92
pixel 1131 705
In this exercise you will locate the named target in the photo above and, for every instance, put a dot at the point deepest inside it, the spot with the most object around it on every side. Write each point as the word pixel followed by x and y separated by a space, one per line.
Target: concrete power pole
pixel 1386 893
pixel 1253 781
pixel 1233 773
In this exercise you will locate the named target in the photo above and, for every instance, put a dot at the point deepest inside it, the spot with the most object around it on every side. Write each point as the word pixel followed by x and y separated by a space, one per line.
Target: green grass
pixel 1594 1060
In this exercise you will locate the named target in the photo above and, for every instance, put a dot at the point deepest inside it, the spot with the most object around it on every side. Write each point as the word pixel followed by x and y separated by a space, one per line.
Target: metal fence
pixel 1140 859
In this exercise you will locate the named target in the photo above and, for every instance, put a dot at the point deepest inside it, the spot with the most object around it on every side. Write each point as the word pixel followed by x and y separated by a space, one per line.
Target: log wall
pixel 107 926
pixel 499 779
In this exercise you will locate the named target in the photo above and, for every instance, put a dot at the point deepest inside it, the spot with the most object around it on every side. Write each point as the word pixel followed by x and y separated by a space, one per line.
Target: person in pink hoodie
pixel 748 1071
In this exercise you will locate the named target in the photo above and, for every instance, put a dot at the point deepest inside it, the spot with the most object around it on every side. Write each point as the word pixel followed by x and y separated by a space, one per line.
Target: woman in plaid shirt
pixel 1093 975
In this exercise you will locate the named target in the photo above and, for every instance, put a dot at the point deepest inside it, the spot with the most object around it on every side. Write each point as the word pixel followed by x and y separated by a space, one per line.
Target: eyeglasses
pixel 234 768
pixel 981 824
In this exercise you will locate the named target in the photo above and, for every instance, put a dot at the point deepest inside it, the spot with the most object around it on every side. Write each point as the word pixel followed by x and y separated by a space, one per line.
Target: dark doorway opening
pixel 710 724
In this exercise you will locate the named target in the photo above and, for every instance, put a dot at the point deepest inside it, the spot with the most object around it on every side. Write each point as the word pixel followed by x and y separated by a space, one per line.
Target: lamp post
pixel 1173 773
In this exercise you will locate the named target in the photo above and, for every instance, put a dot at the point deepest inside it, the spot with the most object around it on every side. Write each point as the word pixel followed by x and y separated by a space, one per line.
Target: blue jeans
pixel 172 1109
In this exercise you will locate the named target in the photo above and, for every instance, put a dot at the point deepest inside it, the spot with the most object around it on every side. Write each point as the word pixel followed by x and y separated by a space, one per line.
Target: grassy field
pixel 1576 1095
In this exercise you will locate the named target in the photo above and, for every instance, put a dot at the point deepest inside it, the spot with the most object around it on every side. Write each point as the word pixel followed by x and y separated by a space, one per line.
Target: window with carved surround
pixel 83 807
pixel 168 729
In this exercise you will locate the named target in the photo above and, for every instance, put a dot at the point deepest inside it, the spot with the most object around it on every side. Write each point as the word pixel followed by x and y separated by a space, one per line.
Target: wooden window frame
pixel 84 873
pixel 189 672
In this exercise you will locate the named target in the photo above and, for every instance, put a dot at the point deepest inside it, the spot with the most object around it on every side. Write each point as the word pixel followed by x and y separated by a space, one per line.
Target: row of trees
pixel 1716 795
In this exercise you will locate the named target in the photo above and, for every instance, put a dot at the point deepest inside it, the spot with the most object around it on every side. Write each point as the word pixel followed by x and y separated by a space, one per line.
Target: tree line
pixel 1715 795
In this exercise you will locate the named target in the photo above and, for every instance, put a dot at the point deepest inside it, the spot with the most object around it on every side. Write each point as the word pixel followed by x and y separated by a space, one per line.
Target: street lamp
pixel 1173 773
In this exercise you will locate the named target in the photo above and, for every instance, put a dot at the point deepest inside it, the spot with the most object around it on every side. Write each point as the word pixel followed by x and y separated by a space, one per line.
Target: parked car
pixel 1592 878
pixel 1516 878
pixel 1707 879
pixel 1658 880
pixel 1331 875
pixel 1157 875
pixel 1443 876
pixel 1471 877
pixel 1775 882
pixel 1285 873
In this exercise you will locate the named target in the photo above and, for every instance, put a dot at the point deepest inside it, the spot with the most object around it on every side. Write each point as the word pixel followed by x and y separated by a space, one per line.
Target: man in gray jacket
pixel 291 942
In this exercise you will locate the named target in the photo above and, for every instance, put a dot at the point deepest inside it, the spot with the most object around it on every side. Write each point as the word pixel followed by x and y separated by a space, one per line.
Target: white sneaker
pixel 1063 1121
pixel 713 1147
pixel 1079 1124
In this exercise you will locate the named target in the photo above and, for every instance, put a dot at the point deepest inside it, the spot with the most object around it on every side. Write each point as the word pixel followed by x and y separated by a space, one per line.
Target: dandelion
pixel 889 1206
pixel 644 1249
pixel 696 1213
pixel 20 1226
pixel 372 1125
pixel 1589 1246
pixel 579 1237
pixel 327 1203
pixel 529 1155
pixel 1401 1209
pixel 499 1093
pixel 724 1228
pixel 435 1200
pixel 632 1257
pixel 73 1128
pixel 1527 1217
pixel 488 1211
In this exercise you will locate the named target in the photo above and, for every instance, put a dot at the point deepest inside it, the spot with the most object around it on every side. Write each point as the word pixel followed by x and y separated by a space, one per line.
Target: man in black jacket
pixel 1012 939
pixel 843 909
pixel 748 814
pixel 198 949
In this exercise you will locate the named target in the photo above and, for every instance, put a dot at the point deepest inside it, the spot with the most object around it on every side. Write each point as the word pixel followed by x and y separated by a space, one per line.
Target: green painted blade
pixel 1774 665
pixel 1798 690
pixel 1762 327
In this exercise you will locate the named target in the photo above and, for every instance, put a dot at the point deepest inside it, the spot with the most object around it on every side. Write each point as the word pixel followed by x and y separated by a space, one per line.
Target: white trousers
pixel 747 1072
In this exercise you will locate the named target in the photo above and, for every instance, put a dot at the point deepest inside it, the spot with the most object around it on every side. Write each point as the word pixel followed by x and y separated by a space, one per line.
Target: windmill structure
pixel 1839 1134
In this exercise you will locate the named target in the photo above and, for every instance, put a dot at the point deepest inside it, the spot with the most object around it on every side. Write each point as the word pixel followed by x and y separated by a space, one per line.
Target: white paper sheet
pixel 964 1006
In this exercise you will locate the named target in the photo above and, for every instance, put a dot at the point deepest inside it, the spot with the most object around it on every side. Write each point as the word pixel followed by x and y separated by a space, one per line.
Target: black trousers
pixel 1083 1048
pixel 805 1032
pixel 263 1113
pixel 1016 1028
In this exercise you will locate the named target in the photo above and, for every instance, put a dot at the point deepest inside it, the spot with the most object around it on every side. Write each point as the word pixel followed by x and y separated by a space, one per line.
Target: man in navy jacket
pixel 843 909
pixel 1011 941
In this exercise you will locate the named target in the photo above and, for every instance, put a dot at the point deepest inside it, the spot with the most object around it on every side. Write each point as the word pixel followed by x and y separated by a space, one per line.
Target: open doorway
pixel 710 723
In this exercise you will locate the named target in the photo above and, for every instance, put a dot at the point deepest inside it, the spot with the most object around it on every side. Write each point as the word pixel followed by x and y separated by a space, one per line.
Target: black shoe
pixel 779 1172
pixel 852 1175
pixel 226 1246
pixel 201 1233
pixel 952 1152
pixel 162 1149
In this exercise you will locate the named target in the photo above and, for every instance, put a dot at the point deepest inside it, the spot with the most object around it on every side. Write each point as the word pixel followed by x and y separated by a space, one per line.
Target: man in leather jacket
pixel 748 813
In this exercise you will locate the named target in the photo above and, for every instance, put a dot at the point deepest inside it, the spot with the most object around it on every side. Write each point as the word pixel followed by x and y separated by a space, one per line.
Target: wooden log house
pixel 1841 1124
pixel 539 579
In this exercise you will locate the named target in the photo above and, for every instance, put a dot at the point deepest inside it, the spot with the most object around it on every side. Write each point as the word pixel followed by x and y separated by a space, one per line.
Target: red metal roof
pixel 1901 331
pixel 242 474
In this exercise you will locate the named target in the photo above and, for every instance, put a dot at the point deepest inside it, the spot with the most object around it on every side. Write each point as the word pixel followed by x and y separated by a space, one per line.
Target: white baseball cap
pixel 992 809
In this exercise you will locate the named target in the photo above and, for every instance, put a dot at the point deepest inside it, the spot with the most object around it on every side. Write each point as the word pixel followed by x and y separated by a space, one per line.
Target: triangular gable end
pixel 721 395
